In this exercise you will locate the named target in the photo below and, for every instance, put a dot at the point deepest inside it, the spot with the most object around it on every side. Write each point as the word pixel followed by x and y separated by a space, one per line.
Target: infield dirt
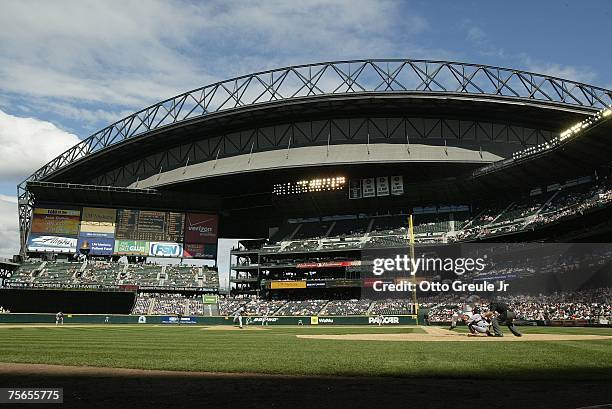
pixel 434 334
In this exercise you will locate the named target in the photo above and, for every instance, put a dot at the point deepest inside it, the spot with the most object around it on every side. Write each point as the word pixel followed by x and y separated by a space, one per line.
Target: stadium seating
pixel 109 274
pixel 346 307
pixel 301 308
pixel 350 227
pixel 391 307
pixel 589 305
pixel 391 230
pixel 142 305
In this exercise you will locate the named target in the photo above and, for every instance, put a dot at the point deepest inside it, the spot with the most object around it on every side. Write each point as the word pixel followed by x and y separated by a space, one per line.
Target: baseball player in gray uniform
pixel 238 315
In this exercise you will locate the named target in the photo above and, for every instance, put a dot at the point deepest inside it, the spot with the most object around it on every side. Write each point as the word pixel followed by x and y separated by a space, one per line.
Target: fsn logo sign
pixel 166 250
pixel 383 320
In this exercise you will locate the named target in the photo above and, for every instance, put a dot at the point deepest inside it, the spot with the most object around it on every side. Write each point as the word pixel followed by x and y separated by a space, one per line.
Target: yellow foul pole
pixel 411 245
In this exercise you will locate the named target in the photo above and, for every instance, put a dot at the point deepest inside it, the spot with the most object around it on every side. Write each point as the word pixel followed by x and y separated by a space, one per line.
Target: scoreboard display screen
pixel 174 227
pixel 150 225
pixel 127 221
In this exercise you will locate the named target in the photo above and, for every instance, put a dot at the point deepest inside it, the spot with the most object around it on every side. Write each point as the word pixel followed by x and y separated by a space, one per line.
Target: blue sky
pixel 68 68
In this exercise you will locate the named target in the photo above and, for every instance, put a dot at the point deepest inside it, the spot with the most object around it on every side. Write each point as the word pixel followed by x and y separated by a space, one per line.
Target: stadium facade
pixel 318 162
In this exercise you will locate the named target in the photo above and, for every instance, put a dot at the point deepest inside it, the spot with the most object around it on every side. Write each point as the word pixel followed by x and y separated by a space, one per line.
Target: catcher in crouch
pixel 477 324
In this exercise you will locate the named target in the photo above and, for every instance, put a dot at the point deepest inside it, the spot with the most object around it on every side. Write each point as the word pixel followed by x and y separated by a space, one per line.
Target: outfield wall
pixel 76 301
pixel 191 320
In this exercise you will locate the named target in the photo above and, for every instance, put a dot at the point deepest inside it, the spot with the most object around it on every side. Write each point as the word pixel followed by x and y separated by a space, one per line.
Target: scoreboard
pixel 132 232
pixel 150 225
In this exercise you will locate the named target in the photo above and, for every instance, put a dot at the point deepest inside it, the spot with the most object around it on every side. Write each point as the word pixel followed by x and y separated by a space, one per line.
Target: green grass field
pixel 276 350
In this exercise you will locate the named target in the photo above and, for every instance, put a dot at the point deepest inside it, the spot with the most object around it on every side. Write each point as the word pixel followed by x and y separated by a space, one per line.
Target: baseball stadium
pixel 326 177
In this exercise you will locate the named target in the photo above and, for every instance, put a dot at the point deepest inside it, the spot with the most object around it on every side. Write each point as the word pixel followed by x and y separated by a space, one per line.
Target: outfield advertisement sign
pixel 91 234
pixel 329 264
pixel 210 299
pixel 165 249
pixel 63 222
pixel 132 247
pixel 51 243
pixel 176 320
pixel 96 246
pixel 201 228
pixel 214 320
pixel 384 320
pixel 207 251
pixel 286 285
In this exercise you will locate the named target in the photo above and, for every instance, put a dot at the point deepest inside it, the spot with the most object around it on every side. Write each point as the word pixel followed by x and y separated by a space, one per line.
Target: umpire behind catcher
pixel 504 315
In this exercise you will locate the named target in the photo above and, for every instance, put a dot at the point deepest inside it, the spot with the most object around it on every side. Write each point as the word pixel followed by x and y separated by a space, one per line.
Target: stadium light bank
pixel 565 135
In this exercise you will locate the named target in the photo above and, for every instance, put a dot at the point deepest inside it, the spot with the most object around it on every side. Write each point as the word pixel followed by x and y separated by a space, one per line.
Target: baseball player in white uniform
pixel 238 315
pixel 477 324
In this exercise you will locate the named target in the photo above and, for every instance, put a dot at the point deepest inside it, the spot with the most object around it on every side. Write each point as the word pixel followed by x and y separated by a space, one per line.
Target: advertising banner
pixel 56 221
pixel 283 285
pixel 316 284
pixel 201 228
pixel 397 185
pixel 98 222
pixel 325 264
pixel 344 283
pixel 51 243
pixel 382 186
pixel 96 246
pixel 132 247
pixel 175 320
pixel 57 212
pixel 93 234
pixel 165 249
pixel 207 251
pixel 369 187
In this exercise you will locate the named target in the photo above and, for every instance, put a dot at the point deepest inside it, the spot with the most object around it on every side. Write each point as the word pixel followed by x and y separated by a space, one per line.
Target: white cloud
pixel 570 72
pixel 25 145
pixel 476 34
pixel 485 46
pixel 9 226
pixel 10 199
pixel 132 55
pixel 481 41
pixel 28 143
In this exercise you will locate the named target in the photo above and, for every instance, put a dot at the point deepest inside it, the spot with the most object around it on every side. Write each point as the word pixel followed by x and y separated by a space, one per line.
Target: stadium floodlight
pixel 312 185
pixel 570 132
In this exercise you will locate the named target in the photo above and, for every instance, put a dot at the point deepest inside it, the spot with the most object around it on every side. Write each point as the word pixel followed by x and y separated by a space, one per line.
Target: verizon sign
pixel 201 228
